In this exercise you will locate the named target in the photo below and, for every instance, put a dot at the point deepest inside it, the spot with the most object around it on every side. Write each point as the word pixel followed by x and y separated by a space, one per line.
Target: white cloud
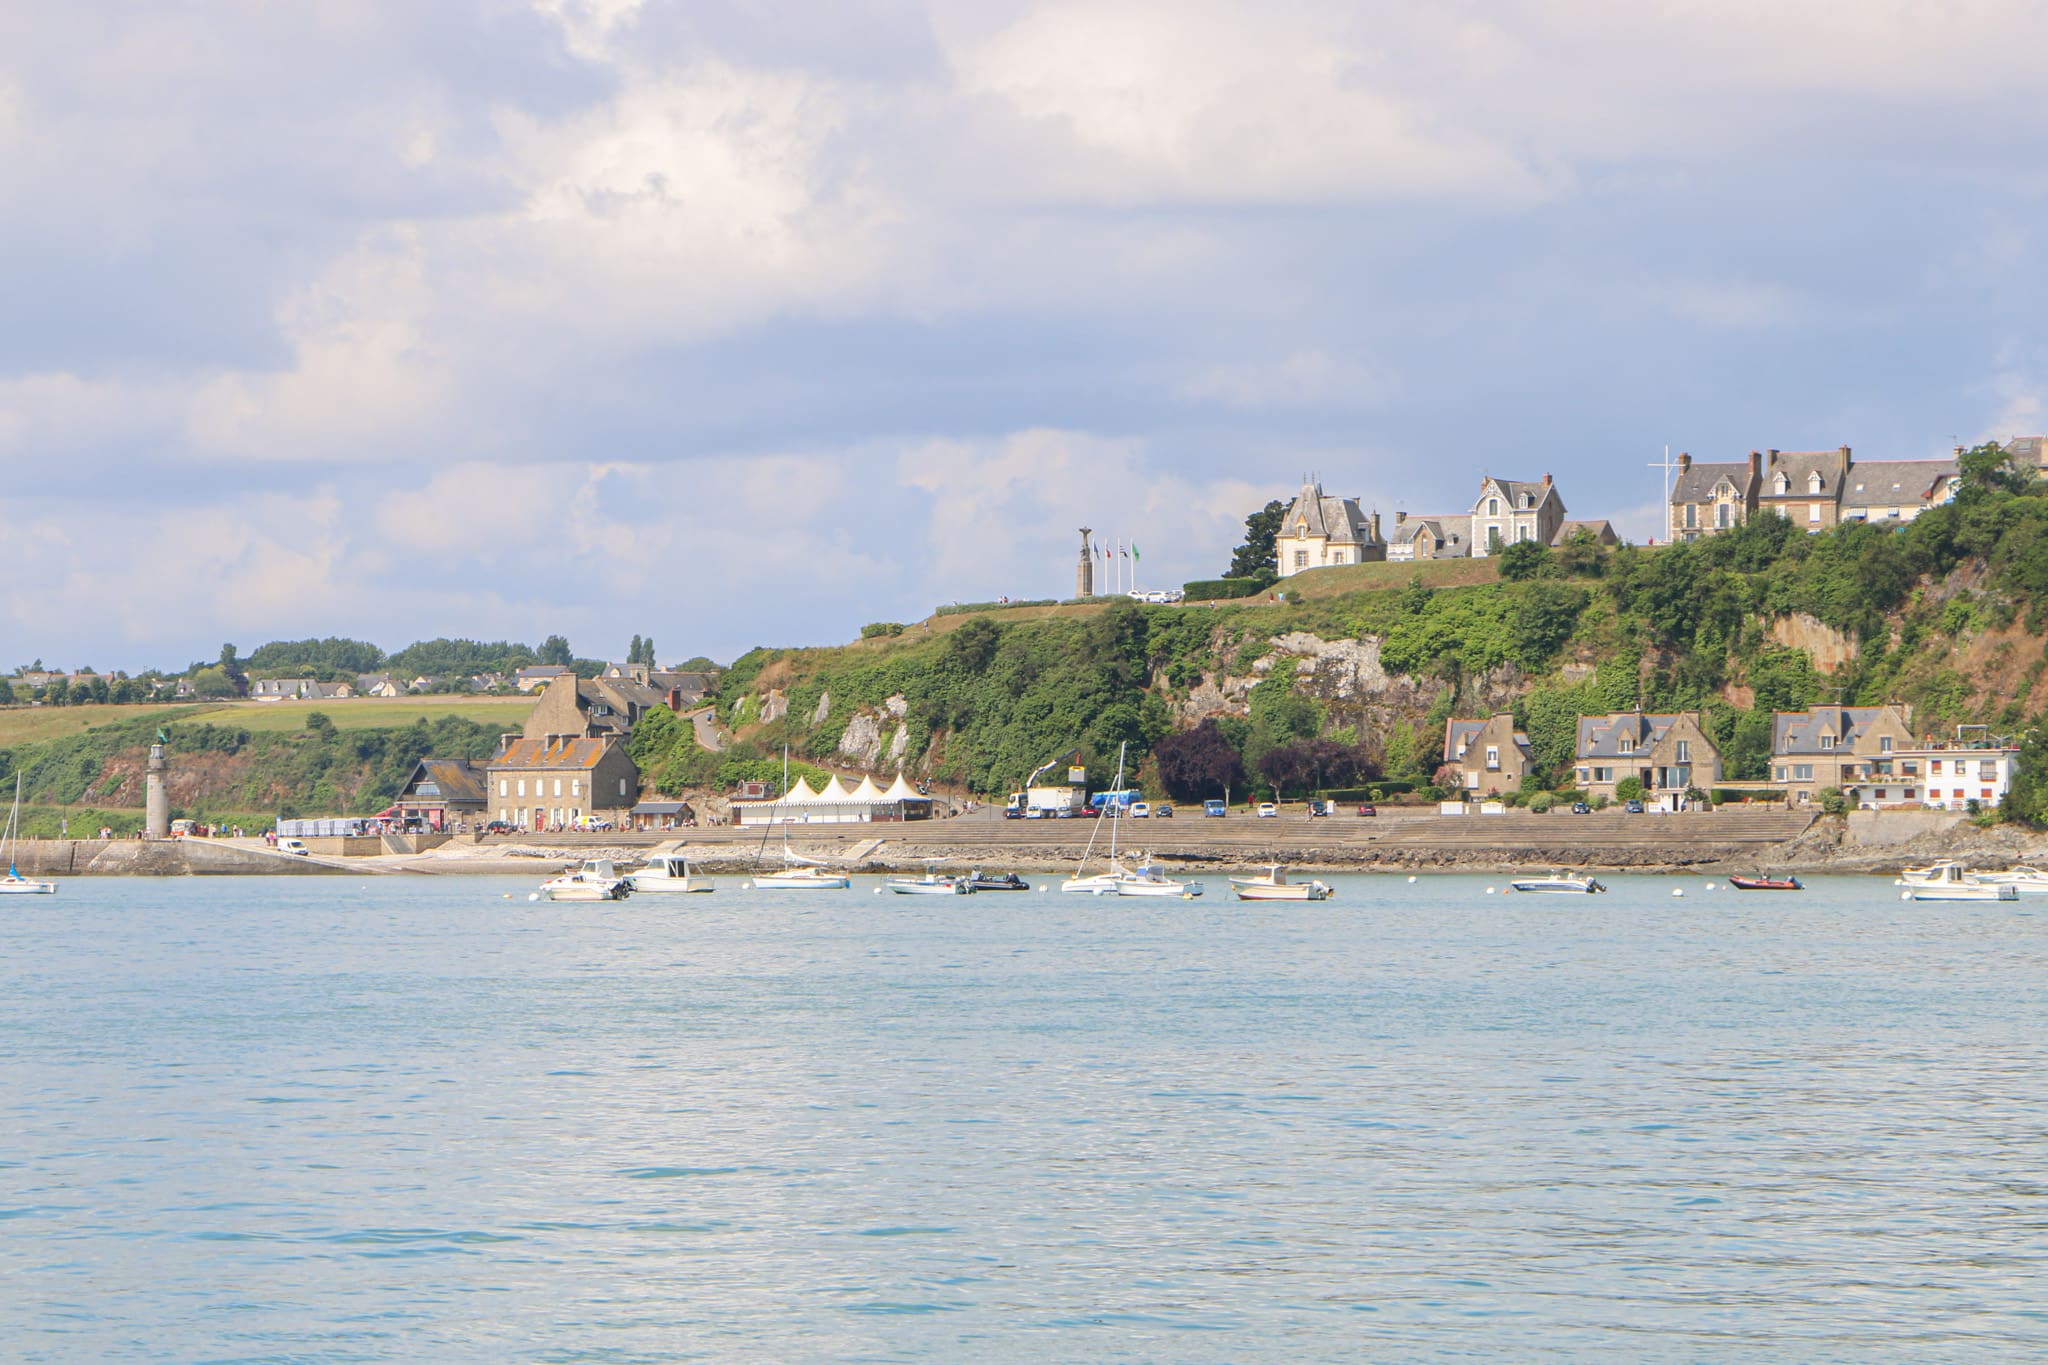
pixel 1305 379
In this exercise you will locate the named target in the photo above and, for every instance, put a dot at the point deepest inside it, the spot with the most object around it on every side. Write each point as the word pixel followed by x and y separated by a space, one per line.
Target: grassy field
pixel 1434 573
pixel 31 725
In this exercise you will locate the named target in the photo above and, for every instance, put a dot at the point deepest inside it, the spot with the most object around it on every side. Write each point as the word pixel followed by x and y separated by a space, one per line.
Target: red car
pixel 1368 809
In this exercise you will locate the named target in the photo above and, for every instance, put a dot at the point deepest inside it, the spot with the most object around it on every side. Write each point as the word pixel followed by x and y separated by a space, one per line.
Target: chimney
pixel 1756 466
pixel 1375 525
pixel 1546 481
pixel 1400 517
pixel 1684 462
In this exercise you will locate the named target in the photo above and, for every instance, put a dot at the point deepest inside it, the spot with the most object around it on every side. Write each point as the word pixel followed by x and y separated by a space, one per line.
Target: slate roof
pixel 1599 528
pixel 1339 519
pixel 1406 531
pixel 1894 482
pixel 1696 484
pixel 1522 495
pixel 1799 732
pixel 1795 465
pixel 562 754
pixel 1601 736
pixel 459 782
pixel 2029 450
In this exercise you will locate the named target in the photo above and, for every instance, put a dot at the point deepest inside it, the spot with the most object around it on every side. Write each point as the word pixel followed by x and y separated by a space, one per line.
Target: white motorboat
pixel 1274 886
pixel 668 872
pixel 595 879
pixel 1149 881
pixel 2027 881
pixel 14 884
pixel 932 883
pixel 1557 881
pixel 1954 882
pixel 799 873
pixel 1947 870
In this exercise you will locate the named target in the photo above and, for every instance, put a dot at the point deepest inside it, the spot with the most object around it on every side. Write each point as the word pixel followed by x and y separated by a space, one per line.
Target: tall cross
pixel 1665 465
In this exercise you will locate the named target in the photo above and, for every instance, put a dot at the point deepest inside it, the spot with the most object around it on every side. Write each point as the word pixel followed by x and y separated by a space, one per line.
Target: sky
pixel 744 322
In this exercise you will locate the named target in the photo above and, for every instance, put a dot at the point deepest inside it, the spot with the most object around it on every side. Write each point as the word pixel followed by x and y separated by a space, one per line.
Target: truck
pixel 1061 802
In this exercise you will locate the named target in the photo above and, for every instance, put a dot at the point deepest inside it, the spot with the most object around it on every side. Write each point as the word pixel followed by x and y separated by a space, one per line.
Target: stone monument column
pixel 156 802
pixel 1084 576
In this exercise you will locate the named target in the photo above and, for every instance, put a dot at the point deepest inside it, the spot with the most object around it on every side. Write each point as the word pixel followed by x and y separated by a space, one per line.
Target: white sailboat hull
pixel 1101 884
pixel 1284 891
pixel 1147 886
pixel 645 882
pixel 26 886
pixel 917 887
pixel 802 879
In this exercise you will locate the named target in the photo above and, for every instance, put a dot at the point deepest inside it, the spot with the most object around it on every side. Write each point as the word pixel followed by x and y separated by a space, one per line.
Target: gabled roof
pixel 1696 484
pixel 1413 526
pixel 1468 731
pixel 1603 528
pixel 1314 513
pixel 456 778
pixel 2029 450
pixel 1890 482
pixel 1800 732
pixel 1521 495
pixel 563 754
pixel 1601 736
pixel 1795 465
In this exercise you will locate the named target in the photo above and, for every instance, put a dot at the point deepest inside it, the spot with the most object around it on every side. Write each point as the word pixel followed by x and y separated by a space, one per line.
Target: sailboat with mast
pixel 14 884
pixel 1102 883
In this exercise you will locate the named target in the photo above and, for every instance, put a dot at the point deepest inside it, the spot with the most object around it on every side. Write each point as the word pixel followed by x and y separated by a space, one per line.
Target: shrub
pixel 1217 589
pixel 1628 789
pixel 1601 802
pixel 1832 801
pixel 1541 802
pixel 875 629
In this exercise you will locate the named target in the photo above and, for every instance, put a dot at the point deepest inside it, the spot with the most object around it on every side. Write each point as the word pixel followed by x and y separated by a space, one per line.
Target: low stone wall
pixel 1885 828
pixel 152 858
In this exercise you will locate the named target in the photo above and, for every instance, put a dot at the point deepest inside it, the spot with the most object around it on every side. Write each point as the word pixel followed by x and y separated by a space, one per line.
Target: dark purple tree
pixel 1199 763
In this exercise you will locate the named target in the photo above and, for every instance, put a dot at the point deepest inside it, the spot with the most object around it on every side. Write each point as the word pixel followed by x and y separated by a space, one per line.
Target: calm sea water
pixel 426 1119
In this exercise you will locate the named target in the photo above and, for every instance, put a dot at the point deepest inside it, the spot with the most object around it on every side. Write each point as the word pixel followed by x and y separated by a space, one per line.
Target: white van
pixel 297 846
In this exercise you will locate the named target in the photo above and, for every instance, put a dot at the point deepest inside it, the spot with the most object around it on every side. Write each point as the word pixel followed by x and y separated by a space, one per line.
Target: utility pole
pixel 1667 467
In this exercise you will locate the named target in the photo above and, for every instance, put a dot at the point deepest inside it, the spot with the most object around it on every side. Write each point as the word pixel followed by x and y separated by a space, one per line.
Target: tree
pixel 1628 789
pixel 1199 763
pixel 1254 558
pixel 633 651
pixel 1523 559
pixel 555 650
pixel 213 684
pixel 1989 469
pixel 6 692
pixel 318 723
pixel 232 668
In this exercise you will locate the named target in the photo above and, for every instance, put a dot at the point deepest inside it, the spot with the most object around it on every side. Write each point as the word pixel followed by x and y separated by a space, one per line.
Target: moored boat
pixel 931 883
pixel 799 873
pixel 2026 880
pixel 1148 880
pixel 595 879
pixel 989 881
pixel 1763 883
pixel 1274 886
pixel 14 884
pixel 1557 881
pixel 1951 881
pixel 669 872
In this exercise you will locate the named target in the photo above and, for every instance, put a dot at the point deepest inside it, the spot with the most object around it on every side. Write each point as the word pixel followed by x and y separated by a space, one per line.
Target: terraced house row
pixel 1869 752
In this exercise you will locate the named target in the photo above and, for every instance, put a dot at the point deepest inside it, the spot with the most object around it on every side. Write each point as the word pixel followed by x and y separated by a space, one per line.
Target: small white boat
pixel 1099 884
pixel 1149 881
pixel 1954 882
pixel 595 879
pixel 932 883
pixel 1274 886
pixel 14 884
pixel 2027 881
pixel 1557 881
pixel 1947 870
pixel 668 872
pixel 800 873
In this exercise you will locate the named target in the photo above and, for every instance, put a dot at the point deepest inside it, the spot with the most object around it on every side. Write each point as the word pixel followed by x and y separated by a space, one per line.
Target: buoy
pixel 533 895
pixel 1411 881
pixel 1710 886
pixel 1678 891
pixel 1905 895
pixel 1489 891
pixel 878 891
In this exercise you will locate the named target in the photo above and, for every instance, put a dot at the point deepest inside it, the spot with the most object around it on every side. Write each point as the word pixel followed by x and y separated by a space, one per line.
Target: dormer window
pixel 1813 482
pixel 1781 485
pixel 1628 744
pixel 1827 741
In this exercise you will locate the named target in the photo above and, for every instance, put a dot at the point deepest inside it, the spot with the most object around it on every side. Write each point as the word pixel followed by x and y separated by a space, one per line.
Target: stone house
pixel 1711 497
pixel 1804 486
pixel 2029 452
pixel 559 783
pixel 572 707
pixel 1421 537
pixel 442 792
pixel 279 689
pixel 378 685
pixel 1602 532
pixel 1491 754
pixel 1508 511
pixel 1319 530
pixel 1666 753
pixel 1836 746
pixel 540 675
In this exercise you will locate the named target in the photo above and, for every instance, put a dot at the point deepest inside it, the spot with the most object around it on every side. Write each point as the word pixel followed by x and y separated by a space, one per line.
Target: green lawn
pixel 34 724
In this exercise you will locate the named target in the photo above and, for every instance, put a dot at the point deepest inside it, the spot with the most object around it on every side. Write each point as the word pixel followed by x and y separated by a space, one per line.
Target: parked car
pixel 1140 809
pixel 1215 809
pixel 297 846
pixel 1268 811
pixel 497 827
pixel 1162 811
pixel 1368 809
pixel 1634 808
pixel 1581 808
pixel 1316 808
